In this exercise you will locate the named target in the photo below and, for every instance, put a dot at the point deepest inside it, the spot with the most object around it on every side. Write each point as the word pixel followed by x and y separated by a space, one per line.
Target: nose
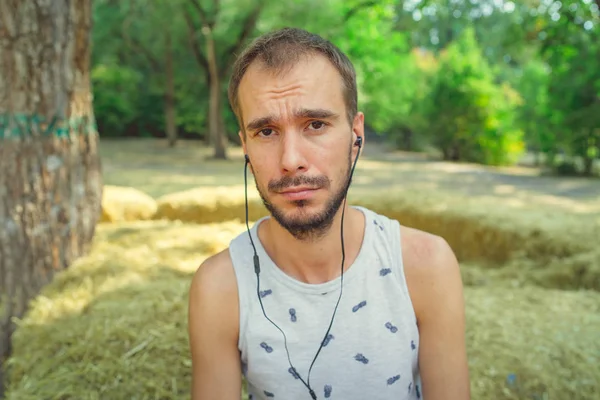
pixel 292 158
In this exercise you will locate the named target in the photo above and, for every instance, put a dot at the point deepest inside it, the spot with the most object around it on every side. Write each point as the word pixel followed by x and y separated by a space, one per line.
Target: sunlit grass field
pixel 113 326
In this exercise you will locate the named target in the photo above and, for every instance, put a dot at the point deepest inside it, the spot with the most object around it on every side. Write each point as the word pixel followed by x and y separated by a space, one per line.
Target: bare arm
pixel 437 294
pixel 213 331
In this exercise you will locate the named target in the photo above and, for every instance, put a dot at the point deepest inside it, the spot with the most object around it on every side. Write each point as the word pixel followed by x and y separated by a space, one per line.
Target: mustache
pixel 288 181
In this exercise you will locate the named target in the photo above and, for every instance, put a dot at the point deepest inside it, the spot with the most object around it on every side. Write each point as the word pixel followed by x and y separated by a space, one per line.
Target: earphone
pixel 256 260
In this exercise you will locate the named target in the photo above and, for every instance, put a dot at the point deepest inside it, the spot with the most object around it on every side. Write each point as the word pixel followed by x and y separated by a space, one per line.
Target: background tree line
pixel 479 80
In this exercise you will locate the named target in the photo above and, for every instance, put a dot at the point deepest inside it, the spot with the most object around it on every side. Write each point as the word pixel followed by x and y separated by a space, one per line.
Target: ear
pixel 245 149
pixel 358 128
pixel 242 141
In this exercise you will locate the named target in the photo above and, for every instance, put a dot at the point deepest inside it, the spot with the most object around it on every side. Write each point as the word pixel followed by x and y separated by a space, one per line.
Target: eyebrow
pixel 303 113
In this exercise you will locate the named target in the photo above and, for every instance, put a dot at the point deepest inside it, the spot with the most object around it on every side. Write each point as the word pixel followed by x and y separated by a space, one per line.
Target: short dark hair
pixel 280 50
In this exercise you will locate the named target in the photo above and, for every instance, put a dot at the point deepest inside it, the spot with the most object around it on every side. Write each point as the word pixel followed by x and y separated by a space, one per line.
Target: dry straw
pixel 560 245
pixel 126 204
pixel 208 205
pixel 113 326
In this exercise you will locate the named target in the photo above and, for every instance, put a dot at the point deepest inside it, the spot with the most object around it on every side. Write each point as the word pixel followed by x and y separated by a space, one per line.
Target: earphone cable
pixel 257 271
pixel 342 268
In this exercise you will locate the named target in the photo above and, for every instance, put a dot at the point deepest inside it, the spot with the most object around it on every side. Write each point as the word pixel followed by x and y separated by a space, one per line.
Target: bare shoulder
pixel 213 299
pixel 425 251
pixel 215 276
pixel 213 324
pixel 214 286
pixel 431 268
pixel 436 290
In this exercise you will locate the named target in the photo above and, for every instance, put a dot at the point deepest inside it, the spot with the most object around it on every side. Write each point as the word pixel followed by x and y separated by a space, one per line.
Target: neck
pixel 315 261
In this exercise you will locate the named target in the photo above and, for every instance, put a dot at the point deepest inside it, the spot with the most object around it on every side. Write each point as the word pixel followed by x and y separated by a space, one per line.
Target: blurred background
pixel 121 172
pixel 487 81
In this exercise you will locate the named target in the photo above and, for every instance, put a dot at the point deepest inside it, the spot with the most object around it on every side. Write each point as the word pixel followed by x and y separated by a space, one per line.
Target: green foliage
pixel 478 80
pixel 572 42
pixel 534 113
pixel 388 76
pixel 192 108
pixel 470 117
pixel 129 56
pixel 116 97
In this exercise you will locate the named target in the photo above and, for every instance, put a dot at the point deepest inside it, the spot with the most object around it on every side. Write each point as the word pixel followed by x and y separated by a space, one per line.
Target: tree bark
pixel 50 172
pixel 170 122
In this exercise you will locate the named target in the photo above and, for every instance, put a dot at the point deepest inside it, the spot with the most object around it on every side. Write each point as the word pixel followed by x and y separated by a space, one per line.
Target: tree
pixel 571 49
pixel 470 117
pixel 160 61
pixel 50 173
pixel 210 32
pixel 387 78
pixel 534 113
pixel 145 80
pixel 390 81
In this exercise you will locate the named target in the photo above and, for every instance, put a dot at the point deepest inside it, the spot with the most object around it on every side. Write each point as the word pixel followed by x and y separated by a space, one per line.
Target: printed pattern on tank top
pixel 364 355
pixel 327 390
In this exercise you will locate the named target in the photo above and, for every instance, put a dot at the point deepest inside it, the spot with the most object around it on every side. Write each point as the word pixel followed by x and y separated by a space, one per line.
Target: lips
pixel 297 190
pixel 299 193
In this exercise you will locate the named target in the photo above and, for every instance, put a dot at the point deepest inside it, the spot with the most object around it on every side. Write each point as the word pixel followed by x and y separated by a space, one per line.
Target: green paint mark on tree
pixel 23 125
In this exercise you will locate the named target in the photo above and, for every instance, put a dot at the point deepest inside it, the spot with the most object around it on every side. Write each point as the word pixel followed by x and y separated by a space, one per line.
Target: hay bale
pixel 210 205
pixel 479 230
pixel 126 204
pixel 484 230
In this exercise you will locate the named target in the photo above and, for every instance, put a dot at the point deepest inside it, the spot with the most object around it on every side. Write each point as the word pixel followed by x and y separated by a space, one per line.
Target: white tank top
pixel 372 349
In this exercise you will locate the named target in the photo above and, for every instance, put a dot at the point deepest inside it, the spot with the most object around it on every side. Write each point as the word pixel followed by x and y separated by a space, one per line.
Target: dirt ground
pixel 163 170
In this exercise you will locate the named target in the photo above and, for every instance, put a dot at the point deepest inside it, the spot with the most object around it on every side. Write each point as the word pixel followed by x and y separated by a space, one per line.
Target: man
pixel 391 326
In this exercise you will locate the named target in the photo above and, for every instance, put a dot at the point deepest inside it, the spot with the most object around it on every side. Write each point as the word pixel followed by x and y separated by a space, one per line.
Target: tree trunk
pixel 215 115
pixel 537 156
pixel 50 173
pixel 456 152
pixel 221 121
pixel 589 156
pixel 588 163
pixel 171 126
pixel 407 136
pixel 209 139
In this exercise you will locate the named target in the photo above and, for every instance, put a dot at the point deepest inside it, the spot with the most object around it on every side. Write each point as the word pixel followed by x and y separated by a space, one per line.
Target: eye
pixel 265 132
pixel 317 125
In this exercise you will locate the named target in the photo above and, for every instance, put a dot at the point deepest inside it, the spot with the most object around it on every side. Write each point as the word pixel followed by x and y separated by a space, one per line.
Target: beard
pixel 306 226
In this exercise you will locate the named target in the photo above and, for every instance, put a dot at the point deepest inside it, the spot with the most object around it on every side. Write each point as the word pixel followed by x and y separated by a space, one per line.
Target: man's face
pixel 299 142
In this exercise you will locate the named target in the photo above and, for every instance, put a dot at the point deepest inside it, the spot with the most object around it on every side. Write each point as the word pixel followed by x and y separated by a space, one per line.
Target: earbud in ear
pixel 358 141
pixel 247 158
